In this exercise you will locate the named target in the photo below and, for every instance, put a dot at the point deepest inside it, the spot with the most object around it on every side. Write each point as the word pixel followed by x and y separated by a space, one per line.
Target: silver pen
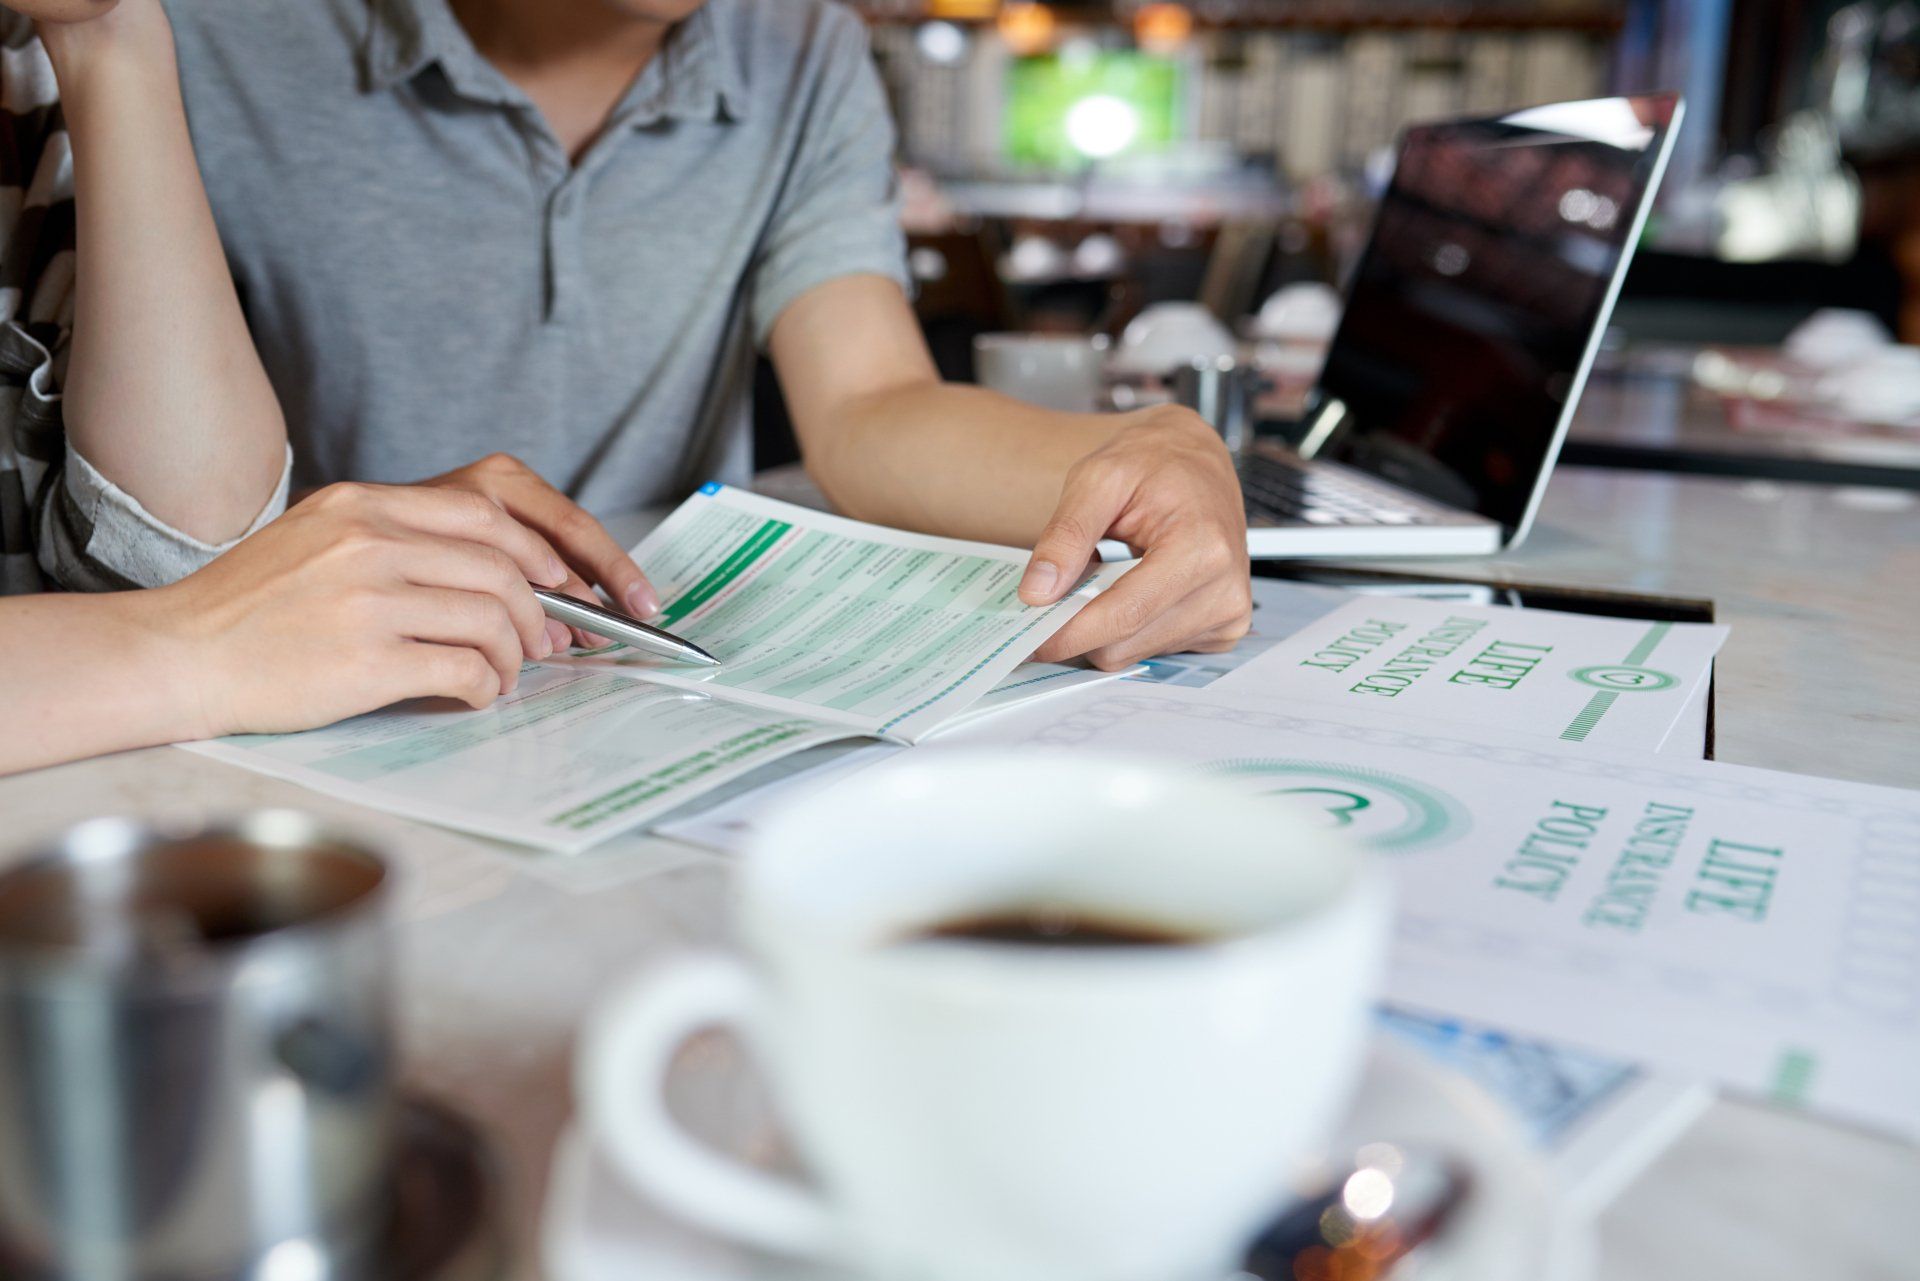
pixel 615 626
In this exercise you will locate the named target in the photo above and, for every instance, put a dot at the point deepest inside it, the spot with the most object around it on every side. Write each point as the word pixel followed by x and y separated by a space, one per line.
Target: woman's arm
pixel 82 674
pixel 164 393
pixel 358 597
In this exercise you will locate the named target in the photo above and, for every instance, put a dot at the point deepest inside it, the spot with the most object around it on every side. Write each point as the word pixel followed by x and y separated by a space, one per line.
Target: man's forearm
pixel 953 459
pixel 164 392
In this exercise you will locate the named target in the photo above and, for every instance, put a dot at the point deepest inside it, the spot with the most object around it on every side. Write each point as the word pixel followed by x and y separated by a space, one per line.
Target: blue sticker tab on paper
pixel 711 488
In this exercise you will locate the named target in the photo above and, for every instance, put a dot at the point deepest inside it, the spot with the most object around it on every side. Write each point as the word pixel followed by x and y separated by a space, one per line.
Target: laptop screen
pixel 1492 264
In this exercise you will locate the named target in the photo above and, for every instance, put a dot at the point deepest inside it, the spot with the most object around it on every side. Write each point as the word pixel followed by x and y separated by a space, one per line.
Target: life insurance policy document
pixel 910 632
pixel 1608 681
pixel 1755 929
pixel 881 631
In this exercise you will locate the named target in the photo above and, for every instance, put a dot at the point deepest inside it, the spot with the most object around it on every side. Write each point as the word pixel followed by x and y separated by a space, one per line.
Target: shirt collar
pixel 696 76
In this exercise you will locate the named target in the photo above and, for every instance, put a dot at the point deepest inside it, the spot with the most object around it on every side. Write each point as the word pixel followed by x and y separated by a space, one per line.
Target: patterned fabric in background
pixel 62 523
pixel 36 313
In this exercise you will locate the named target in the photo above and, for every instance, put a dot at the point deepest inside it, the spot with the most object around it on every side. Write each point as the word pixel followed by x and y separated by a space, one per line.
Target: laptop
pixel 1471 322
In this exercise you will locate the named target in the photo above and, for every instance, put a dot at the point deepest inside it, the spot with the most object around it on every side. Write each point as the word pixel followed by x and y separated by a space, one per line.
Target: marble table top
pixel 1647 402
pixel 503 950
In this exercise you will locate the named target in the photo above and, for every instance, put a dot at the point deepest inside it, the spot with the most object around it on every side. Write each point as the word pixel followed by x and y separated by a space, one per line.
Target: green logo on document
pixel 1390 812
pixel 1623 679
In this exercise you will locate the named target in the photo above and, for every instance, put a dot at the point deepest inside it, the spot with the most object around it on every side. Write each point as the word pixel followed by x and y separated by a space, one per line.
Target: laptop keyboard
pixel 1279 491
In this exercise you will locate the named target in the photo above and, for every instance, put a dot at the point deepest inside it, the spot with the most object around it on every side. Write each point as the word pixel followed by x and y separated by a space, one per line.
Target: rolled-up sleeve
pixel 94 536
pixel 839 214
pixel 62 523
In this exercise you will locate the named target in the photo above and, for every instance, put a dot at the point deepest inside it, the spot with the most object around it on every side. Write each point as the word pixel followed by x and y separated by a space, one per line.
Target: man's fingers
pixel 1172 634
pixel 476 620
pixel 1208 621
pixel 1122 610
pixel 430 562
pixel 1089 503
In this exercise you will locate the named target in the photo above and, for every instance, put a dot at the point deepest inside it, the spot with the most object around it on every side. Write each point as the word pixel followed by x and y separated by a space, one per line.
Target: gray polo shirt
pixel 430 280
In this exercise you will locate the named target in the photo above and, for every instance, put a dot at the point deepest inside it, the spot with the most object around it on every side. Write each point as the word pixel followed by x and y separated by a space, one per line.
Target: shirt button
pixel 565 203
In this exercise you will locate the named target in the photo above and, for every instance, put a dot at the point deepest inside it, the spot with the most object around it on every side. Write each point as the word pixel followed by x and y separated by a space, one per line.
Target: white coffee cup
pixel 1054 371
pixel 981 1111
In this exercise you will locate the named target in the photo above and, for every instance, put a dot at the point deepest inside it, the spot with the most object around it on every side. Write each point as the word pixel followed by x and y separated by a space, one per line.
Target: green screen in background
pixel 1044 90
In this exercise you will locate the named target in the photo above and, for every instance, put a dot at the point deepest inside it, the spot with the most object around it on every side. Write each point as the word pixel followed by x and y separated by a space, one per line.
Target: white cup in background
pixel 1006 1110
pixel 1168 335
pixel 1054 371
pixel 1305 312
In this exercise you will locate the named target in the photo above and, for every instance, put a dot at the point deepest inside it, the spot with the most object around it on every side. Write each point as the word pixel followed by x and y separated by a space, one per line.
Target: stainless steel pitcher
pixel 196 1058
pixel 1222 391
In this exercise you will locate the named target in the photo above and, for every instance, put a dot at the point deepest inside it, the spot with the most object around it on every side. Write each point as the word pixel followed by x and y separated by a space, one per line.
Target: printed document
pixel 1609 681
pixel 884 632
pixel 1711 921
pixel 827 628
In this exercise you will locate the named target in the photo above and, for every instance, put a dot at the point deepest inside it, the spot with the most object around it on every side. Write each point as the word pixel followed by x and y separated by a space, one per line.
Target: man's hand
pixel 590 554
pixel 1165 486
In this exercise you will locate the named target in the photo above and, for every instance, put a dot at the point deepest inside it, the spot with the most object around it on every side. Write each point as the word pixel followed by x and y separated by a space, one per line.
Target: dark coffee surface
pixel 1054 927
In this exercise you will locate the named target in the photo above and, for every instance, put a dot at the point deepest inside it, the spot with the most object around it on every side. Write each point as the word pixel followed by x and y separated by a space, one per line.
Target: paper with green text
pixel 829 629
pixel 569 758
pixel 1755 929
pixel 1579 678
pixel 881 631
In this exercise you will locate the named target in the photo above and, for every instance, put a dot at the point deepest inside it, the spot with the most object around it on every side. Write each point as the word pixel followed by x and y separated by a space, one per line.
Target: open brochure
pixel 826 628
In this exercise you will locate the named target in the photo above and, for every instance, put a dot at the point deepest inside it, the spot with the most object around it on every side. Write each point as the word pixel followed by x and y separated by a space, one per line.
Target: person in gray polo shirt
pixel 551 234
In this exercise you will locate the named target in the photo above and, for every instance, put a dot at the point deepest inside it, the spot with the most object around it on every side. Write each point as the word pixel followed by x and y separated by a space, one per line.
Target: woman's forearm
pixel 89 674
pixel 164 392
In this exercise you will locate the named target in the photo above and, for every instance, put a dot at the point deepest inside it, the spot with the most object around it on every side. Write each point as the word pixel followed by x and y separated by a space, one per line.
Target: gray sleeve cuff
pixel 96 536
pixel 865 251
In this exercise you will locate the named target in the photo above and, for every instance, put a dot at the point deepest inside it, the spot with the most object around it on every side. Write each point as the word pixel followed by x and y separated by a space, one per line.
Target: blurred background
pixel 1067 165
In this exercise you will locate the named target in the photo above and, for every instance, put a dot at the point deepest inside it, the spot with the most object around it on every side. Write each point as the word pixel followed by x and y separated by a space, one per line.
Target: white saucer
pixel 598 1229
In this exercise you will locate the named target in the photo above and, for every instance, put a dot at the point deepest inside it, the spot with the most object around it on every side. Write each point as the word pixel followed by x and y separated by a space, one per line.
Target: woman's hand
pixel 360 596
pixel 1165 486
pixel 583 543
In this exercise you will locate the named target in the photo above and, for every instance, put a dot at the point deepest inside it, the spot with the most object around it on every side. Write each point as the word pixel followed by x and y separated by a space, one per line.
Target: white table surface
pixel 503 950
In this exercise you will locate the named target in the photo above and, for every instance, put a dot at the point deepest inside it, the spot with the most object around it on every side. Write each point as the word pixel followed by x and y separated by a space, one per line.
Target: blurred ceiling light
pixel 1078 51
pixel 1368 1194
pixel 1027 28
pixel 1162 28
pixel 941 42
pixel 927 264
pixel 1451 259
pixel 977 10
pixel 1577 205
pixel 1101 125
pixel 1596 211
